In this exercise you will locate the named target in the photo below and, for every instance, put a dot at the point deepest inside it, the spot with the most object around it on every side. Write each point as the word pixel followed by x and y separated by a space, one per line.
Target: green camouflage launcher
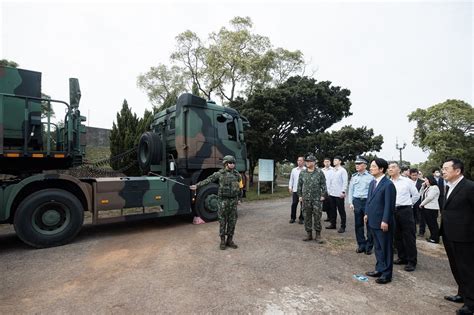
pixel 186 143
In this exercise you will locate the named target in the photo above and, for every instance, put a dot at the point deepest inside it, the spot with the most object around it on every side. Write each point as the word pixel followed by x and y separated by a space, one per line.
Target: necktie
pixel 374 186
pixel 446 195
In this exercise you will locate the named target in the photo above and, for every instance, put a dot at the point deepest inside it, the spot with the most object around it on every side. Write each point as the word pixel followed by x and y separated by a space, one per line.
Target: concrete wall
pixel 98 137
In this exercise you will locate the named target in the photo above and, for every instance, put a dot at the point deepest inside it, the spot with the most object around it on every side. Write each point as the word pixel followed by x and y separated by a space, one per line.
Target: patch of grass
pixel 94 154
pixel 278 192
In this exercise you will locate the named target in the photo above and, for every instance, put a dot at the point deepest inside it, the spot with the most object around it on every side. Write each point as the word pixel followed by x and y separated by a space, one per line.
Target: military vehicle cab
pixel 189 140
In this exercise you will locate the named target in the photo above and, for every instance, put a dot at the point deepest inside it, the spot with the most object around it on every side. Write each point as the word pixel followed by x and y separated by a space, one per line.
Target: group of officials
pixel 384 214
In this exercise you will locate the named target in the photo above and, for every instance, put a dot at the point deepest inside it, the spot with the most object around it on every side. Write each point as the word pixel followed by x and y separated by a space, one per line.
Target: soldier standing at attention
pixel 358 191
pixel 311 191
pixel 228 193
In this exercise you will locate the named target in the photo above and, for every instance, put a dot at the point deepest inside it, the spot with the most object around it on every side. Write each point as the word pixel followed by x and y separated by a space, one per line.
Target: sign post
pixel 265 173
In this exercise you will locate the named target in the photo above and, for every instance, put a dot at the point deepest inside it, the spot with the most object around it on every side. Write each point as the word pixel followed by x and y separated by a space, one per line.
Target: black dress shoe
pixel 399 261
pixel 410 268
pixel 331 227
pixel 341 230
pixel 383 280
pixel 465 310
pixel 300 221
pixel 373 273
pixel 430 240
pixel 454 298
pixel 292 221
pixel 368 252
pixel 359 250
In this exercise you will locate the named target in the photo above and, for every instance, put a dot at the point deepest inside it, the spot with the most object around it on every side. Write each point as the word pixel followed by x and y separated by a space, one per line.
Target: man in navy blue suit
pixel 379 216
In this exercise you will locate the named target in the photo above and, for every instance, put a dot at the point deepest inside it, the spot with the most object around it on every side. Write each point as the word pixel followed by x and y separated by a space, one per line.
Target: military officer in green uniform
pixel 228 193
pixel 311 191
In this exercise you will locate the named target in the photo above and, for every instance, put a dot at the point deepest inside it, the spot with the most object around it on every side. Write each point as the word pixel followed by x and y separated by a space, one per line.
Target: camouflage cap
pixel 227 159
pixel 310 158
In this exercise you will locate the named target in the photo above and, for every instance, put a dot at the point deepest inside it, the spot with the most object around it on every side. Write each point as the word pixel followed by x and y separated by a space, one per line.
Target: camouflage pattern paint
pixel 137 192
pixel 201 133
pixel 11 193
pixel 23 133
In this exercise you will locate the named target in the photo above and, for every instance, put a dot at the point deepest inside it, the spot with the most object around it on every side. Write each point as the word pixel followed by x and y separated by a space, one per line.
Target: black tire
pixel 207 202
pixel 149 151
pixel 49 217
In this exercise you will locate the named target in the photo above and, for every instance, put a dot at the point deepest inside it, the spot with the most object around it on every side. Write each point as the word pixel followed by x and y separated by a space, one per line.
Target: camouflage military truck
pixel 46 205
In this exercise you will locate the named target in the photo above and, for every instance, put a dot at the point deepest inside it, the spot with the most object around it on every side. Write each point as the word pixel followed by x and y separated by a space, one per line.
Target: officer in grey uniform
pixel 358 191
pixel 311 191
pixel 228 193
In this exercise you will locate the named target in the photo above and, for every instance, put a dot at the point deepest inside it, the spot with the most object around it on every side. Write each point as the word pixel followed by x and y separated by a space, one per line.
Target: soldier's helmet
pixel 227 159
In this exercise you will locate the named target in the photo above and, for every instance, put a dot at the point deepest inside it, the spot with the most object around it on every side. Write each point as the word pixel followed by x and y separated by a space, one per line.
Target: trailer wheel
pixel 149 151
pixel 49 217
pixel 207 202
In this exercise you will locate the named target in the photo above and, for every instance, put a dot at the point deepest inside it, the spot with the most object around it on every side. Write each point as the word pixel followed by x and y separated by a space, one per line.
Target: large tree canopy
pixel 446 130
pixel 232 62
pixel 297 109
pixel 347 142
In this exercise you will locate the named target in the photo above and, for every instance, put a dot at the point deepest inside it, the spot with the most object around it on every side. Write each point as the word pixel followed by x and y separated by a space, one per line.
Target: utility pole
pixel 400 149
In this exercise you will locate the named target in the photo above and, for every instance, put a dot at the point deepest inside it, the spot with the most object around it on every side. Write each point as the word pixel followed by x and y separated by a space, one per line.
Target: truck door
pixel 201 138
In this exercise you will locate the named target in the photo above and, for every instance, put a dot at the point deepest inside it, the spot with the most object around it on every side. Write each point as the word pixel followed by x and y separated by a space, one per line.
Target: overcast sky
pixel 393 56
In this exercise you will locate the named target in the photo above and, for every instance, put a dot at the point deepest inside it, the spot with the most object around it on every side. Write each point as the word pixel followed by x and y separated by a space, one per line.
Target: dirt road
pixel 171 266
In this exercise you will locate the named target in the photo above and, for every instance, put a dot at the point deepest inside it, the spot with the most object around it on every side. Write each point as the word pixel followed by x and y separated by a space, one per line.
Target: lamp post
pixel 400 149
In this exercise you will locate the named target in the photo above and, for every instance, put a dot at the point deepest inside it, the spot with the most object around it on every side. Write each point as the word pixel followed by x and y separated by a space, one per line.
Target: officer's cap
pixel 360 160
pixel 310 158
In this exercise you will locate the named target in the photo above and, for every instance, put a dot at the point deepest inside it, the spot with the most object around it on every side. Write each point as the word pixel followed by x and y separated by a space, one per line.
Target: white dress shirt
pixel 407 194
pixel 337 182
pixel 453 185
pixel 295 174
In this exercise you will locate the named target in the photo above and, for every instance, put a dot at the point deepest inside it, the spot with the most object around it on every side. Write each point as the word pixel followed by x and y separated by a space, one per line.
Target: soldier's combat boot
pixel 231 243
pixel 318 238
pixel 222 245
pixel 309 237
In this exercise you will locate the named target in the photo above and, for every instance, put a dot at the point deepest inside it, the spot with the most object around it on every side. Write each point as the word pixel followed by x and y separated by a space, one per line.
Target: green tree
pixel 163 84
pixel 8 63
pixel 347 142
pixel 298 108
pixel 446 130
pixel 123 137
pixel 233 62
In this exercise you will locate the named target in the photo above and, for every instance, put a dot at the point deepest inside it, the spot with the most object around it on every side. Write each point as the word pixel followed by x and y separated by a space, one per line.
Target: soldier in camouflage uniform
pixel 228 193
pixel 311 191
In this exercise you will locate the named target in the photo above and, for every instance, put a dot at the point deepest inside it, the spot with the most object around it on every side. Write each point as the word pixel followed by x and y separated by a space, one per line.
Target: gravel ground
pixel 171 266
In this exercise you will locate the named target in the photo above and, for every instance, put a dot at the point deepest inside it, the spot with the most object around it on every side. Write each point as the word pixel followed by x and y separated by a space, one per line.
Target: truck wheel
pixel 49 217
pixel 207 202
pixel 149 151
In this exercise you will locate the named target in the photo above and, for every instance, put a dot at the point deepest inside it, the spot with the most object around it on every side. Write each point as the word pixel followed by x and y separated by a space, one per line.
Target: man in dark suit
pixel 414 175
pixel 457 229
pixel 379 216
pixel 440 182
